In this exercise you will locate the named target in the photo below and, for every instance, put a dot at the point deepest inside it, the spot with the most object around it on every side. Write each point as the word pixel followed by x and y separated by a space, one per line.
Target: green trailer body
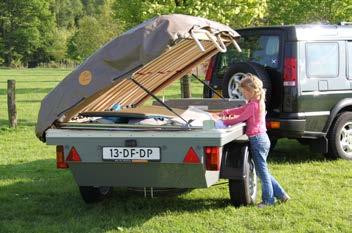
pixel 169 171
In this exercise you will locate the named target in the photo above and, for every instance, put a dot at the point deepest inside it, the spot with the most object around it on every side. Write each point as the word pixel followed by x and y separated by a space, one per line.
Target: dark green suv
pixel 307 72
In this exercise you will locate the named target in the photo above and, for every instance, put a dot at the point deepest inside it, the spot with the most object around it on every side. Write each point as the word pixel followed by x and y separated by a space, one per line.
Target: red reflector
pixel 191 156
pixel 73 155
pixel 60 157
pixel 290 71
pixel 212 154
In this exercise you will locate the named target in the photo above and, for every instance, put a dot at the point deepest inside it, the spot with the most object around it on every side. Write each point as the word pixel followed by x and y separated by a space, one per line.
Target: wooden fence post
pixel 185 87
pixel 11 103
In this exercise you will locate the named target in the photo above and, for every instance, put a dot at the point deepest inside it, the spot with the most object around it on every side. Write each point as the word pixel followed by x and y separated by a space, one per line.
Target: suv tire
pixel 340 137
pixel 92 194
pixel 232 77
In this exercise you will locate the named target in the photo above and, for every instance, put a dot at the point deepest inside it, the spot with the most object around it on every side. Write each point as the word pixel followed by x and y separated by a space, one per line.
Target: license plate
pixel 131 153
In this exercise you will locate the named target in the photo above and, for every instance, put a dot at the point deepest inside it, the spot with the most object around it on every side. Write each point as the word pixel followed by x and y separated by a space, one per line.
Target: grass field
pixel 36 197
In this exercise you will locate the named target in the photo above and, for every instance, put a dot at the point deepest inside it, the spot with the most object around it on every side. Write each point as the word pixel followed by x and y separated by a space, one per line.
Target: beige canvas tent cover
pixel 154 53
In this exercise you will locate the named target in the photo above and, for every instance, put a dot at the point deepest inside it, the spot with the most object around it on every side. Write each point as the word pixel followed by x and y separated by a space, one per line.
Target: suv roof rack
pixel 345 23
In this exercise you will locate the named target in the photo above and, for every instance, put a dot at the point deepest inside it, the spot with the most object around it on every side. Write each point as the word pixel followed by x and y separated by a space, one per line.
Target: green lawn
pixel 36 197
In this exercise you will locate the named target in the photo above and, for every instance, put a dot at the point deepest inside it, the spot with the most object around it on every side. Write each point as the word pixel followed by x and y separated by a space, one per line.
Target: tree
pixel 67 12
pixel 93 32
pixel 93 7
pixel 58 47
pixel 308 11
pixel 25 26
pixel 236 13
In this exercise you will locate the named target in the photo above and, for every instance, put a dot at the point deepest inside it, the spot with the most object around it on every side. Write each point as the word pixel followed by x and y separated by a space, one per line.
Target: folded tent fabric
pixel 117 60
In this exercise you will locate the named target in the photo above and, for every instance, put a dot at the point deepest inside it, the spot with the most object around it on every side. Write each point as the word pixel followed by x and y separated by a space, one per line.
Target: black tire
pixel 244 191
pixel 340 141
pixel 234 74
pixel 92 194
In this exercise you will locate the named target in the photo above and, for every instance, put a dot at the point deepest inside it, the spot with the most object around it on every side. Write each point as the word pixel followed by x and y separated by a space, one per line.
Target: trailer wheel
pixel 244 191
pixel 92 194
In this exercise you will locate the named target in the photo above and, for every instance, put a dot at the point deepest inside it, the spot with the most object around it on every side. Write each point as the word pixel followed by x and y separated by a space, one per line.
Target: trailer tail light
pixel 73 155
pixel 210 69
pixel 212 157
pixel 191 156
pixel 290 71
pixel 60 158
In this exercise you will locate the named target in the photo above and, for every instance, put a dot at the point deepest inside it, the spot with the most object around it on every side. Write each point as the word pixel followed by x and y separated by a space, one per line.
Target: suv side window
pixel 349 57
pixel 322 59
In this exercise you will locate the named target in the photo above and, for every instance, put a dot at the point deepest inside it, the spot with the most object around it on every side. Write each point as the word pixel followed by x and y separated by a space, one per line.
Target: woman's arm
pixel 247 112
pixel 233 111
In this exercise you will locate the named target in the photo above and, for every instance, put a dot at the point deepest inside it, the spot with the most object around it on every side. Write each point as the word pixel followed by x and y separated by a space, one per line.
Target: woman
pixel 254 114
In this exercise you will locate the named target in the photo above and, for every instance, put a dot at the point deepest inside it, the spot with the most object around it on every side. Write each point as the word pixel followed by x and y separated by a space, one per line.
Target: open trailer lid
pixel 152 55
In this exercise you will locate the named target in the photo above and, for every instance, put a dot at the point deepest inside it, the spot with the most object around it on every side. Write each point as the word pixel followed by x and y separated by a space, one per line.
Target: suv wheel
pixel 233 76
pixel 340 137
pixel 92 194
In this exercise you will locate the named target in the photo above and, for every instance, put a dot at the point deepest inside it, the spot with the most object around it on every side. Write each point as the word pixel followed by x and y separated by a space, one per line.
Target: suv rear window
pixel 262 49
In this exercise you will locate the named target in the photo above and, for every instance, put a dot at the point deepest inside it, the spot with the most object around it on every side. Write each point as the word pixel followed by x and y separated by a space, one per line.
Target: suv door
pixel 322 80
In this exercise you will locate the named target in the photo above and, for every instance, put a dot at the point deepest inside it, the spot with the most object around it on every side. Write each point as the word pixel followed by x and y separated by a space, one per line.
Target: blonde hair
pixel 253 84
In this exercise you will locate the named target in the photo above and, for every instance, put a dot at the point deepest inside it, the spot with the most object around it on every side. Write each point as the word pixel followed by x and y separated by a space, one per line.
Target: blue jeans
pixel 259 146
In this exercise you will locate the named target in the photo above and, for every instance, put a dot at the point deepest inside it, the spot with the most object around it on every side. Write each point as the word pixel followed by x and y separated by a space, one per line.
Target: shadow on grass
pixel 38 192
pixel 3 91
pixel 37 197
pixel 291 151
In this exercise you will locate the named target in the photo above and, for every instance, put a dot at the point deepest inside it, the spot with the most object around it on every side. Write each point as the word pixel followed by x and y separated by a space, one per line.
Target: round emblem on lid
pixel 85 78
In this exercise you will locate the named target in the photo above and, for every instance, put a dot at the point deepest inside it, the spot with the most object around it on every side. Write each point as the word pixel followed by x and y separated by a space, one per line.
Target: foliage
pixel 308 11
pixel 41 31
pixel 93 7
pixel 92 33
pixel 237 13
pixel 58 48
pixel 67 12
pixel 25 28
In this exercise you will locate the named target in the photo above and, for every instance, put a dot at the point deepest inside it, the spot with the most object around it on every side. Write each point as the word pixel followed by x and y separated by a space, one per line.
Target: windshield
pixel 262 49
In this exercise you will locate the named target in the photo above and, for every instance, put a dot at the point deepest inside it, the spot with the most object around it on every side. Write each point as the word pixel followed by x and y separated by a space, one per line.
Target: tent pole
pixel 161 102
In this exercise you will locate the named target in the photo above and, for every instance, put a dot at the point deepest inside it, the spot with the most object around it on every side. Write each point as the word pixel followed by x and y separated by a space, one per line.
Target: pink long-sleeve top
pixel 250 113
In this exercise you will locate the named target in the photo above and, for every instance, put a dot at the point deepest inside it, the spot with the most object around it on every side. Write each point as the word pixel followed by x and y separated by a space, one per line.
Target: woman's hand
pixel 221 115
pixel 216 116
